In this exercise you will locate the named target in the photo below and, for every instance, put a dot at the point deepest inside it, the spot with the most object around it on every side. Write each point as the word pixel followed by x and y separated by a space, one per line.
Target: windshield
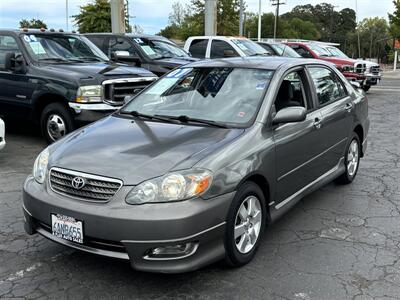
pixel 231 96
pixel 61 47
pixel 337 52
pixel 250 48
pixel 156 49
pixel 285 50
pixel 319 51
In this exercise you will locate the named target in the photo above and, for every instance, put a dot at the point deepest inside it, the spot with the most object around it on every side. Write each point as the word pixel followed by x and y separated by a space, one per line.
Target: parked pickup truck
pixel 61 80
pixel 223 46
pixel 2 134
pixel 373 70
pixel 352 69
pixel 154 53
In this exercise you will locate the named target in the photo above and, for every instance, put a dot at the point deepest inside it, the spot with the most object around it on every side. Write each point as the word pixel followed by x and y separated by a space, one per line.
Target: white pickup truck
pixel 2 134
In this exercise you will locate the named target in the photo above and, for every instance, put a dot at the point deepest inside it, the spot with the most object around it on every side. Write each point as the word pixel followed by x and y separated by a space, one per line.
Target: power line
pixel 277 3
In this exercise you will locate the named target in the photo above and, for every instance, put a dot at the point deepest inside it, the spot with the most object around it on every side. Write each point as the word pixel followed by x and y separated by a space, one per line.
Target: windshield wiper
pixel 53 59
pixel 187 119
pixel 90 58
pixel 137 114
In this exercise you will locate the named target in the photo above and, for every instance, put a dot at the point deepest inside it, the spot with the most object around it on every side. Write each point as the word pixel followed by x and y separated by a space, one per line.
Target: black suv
pixel 155 53
pixel 61 80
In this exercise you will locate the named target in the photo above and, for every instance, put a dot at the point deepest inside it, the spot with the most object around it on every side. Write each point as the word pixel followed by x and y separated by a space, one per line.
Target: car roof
pixel 37 31
pixel 147 36
pixel 267 62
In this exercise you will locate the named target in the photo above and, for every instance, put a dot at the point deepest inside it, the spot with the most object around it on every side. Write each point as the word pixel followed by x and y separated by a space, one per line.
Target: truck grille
pixel 360 68
pixel 375 70
pixel 115 90
pixel 94 188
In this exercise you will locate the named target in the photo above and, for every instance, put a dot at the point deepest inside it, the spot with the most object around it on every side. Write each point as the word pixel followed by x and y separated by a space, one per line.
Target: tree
pixel 374 33
pixel 96 17
pixel 33 23
pixel 394 20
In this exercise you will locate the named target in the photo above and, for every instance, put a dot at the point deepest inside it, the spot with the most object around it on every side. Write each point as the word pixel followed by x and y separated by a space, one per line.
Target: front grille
pixel 116 90
pixel 360 68
pixel 96 188
pixel 375 70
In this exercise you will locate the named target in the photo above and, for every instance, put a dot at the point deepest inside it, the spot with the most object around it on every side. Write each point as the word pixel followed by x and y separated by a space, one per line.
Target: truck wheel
pixel 245 225
pixel 366 88
pixel 55 122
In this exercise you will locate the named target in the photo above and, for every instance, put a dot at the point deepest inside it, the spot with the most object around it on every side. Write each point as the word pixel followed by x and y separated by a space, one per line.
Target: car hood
pixel 136 150
pixel 98 70
pixel 368 63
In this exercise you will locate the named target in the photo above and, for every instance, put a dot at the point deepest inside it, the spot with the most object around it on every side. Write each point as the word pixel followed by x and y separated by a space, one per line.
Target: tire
pixel 55 122
pixel 366 88
pixel 236 254
pixel 351 161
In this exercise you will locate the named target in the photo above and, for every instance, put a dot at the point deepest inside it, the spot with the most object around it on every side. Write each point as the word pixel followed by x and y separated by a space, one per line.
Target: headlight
pixel 348 68
pixel 175 186
pixel 40 166
pixel 89 93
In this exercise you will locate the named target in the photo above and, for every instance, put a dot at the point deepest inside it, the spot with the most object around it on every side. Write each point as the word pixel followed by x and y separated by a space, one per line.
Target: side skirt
pixel 276 211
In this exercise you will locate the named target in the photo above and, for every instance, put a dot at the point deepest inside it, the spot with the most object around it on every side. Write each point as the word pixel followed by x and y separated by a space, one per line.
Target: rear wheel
pixel 56 122
pixel 352 160
pixel 245 224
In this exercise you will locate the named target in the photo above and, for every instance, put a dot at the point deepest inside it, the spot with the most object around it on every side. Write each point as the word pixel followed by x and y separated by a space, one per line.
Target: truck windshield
pixel 229 96
pixel 156 49
pixel 319 50
pixel 337 52
pixel 249 47
pixel 57 47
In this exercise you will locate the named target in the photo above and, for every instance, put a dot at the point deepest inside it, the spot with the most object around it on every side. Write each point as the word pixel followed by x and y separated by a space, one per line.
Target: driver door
pixel 297 145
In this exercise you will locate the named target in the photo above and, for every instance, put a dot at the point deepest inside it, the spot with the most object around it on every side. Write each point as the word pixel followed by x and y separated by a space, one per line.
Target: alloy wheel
pixel 352 158
pixel 55 127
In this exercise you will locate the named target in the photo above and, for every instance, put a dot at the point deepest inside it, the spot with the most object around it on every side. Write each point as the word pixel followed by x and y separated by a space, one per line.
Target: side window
pixel 303 52
pixel 198 48
pixel 121 44
pixel 328 86
pixel 220 49
pixel 292 92
pixel 7 44
pixel 98 41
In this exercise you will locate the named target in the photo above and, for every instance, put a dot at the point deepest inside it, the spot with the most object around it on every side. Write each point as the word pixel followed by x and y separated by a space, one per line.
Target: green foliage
pixel 33 23
pixel 394 20
pixel 96 17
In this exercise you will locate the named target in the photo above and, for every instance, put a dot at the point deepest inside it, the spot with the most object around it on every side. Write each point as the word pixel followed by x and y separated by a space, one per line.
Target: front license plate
pixel 67 228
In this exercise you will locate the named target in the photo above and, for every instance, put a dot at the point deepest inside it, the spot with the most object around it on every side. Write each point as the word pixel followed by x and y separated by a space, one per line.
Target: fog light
pixel 172 251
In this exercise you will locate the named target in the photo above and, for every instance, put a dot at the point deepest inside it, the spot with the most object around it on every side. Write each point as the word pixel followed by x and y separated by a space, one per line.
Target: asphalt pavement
pixel 341 242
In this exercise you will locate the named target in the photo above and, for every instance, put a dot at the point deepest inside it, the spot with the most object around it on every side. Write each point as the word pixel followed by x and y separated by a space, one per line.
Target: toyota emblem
pixel 78 183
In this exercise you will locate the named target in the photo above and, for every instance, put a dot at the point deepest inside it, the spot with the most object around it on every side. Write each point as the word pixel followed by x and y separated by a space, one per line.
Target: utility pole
pixel 358 32
pixel 210 17
pixel 331 29
pixel 127 13
pixel 259 20
pixel 117 16
pixel 276 3
pixel 66 15
pixel 241 18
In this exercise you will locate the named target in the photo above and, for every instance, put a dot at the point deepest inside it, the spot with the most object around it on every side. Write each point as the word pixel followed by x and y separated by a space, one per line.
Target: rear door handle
pixel 317 123
pixel 348 106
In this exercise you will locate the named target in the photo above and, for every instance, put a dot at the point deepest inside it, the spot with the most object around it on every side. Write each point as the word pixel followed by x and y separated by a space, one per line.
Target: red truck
pixel 352 69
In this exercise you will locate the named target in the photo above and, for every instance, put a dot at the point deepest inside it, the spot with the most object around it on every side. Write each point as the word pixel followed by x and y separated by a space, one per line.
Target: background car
pixel 191 170
pixel 61 80
pixel 279 49
pixel 154 53
pixel 351 69
pixel 2 134
pixel 222 46
pixel 373 70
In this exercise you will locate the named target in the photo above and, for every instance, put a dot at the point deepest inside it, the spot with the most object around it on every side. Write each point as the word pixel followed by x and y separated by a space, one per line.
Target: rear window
pixel 198 48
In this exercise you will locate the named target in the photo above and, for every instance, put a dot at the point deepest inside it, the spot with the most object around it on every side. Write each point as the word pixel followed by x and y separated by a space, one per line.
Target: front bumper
pixel 87 113
pixel 373 79
pixel 116 229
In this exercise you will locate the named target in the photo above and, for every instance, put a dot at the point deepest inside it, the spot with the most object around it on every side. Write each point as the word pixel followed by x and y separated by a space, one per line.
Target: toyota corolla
pixel 193 169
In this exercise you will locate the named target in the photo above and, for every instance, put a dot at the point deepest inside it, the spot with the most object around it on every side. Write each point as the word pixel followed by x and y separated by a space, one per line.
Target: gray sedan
pixel 193 169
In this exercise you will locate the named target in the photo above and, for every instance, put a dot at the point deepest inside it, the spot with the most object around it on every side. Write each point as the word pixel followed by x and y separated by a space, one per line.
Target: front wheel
pixel 56 122
pixel 352 160
pixel 366 88
pixel 245 224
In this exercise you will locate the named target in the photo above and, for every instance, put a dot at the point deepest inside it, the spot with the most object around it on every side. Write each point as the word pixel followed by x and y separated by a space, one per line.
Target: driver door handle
pixel 317 123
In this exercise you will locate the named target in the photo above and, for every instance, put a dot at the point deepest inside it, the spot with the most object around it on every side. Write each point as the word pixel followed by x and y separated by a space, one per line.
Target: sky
pixel 152 15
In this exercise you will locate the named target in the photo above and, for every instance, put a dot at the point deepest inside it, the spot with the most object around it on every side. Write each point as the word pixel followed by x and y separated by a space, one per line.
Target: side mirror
pixel 355 85
pixel 125 56
pixel 229 53
pixel 290 115
pixel 14 62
